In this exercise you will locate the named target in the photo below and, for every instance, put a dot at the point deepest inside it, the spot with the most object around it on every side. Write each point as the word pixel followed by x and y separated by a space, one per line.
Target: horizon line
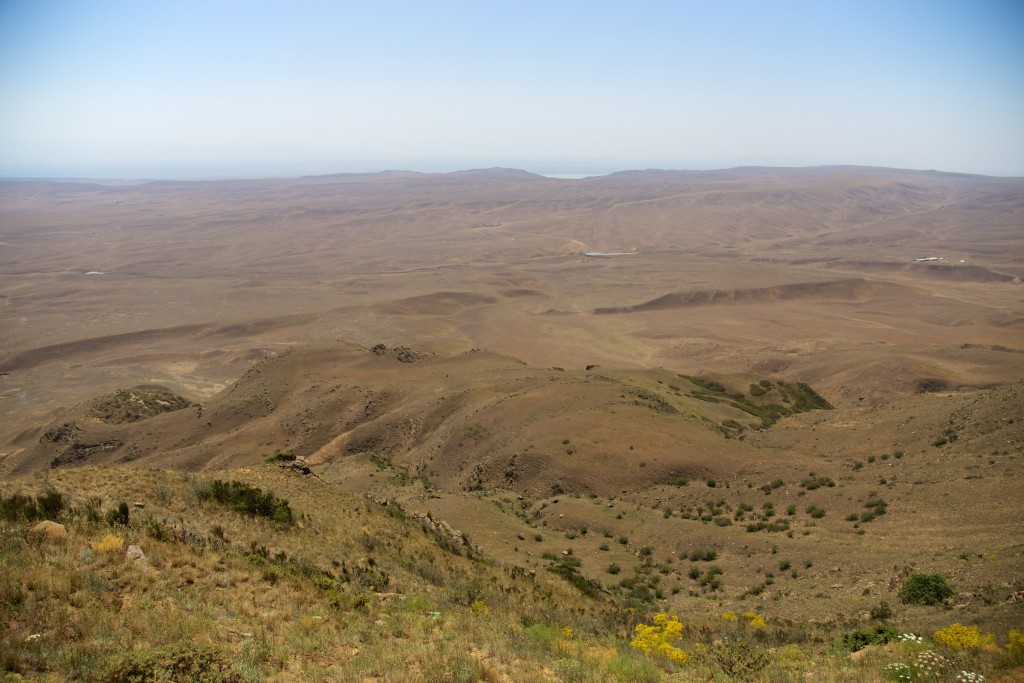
pixel 181 175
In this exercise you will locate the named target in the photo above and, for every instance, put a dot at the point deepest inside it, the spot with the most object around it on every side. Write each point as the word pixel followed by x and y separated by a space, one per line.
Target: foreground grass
pixel 351 590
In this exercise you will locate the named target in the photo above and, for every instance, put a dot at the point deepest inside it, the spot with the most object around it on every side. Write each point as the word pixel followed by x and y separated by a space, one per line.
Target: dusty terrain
pixel 531 359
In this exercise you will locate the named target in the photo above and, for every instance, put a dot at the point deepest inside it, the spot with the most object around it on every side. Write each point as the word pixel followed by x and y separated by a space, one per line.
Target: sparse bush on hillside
pixel 197 663
pixel 742 660
pixel 813 482
pixel 803 397
pixel 876 507
pixel 568 567
pixel 710 385
pixel 781 525
pixel 283 456
pixel 816 512
pixel 861 638
pixel 247 499
pixel 710 580
pixel 21 508
pixel 881 611
pixel 925 589
pixel 118 516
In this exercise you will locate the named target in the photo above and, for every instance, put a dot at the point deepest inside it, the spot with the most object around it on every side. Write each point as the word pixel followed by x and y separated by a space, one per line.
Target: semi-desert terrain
pixel 817 374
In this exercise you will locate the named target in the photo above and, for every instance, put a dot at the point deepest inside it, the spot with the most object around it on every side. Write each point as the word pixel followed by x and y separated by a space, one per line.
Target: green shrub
pixel 861 638
pixel 19 508
pixel 50 505
pixel 197 663
pixel 282 456
pixel 704 555
pixel 118 516
pixel 247 499
pixel 925 589
pixel 710 578
pixel 881 611
pixel 742 660
pixel 568 567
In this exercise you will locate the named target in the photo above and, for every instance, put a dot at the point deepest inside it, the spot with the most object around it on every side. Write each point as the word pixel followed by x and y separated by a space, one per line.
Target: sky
pixel 218 88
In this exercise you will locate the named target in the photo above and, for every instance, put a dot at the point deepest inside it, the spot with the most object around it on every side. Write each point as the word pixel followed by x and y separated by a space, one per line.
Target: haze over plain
pixel 190 89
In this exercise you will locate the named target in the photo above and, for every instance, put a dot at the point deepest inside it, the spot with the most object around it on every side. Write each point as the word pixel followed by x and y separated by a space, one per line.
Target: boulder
pixel 50 532
pixel 134 553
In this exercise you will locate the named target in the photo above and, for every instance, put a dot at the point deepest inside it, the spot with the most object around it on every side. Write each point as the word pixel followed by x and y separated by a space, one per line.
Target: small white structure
pixel 927 259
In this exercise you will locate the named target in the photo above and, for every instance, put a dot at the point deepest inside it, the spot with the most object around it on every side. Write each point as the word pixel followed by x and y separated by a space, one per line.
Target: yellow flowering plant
pixel 960 637
pixel 656 639
pixel 754 620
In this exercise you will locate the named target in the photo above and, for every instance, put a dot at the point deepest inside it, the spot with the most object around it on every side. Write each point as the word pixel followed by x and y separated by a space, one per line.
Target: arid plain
pixel 808 273
pixel 532 357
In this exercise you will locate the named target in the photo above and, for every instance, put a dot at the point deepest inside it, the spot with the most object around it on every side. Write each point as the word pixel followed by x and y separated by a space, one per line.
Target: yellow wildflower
pixel 959 637
pixel 657 639
pixel 108 544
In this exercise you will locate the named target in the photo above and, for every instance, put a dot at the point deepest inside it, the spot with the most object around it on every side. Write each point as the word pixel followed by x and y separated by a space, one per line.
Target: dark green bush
pixel 118 515
pixel 19 508
pixel 861 638
pixel 568 567
pixel 282 456
pixel 50 505
pixel 881 611
pixel 925 589
pixel 250 500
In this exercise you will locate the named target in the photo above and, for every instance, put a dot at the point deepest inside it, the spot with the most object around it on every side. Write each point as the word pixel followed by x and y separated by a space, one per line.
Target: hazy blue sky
pixel 154 87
